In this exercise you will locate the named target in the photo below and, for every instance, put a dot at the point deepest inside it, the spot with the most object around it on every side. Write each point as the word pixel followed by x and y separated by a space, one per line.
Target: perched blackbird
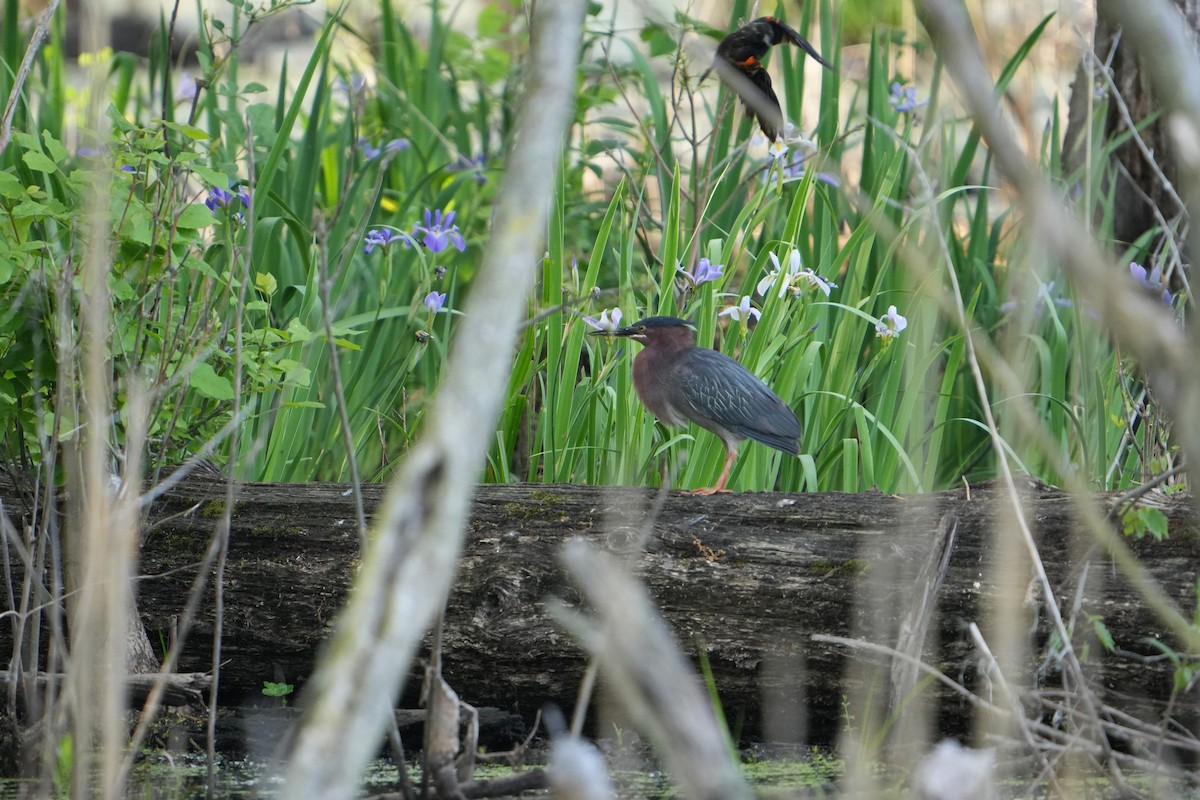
pixel 739 63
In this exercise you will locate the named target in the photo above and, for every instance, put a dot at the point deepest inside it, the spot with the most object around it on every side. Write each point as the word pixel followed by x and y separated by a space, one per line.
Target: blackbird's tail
pixel 766 106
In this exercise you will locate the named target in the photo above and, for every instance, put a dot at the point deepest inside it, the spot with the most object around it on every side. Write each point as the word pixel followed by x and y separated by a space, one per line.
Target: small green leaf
pixel 39 162
pixel 10 187
pixel 211 176
pixel 491 20
pixel 297 332
pixel 495 64
pixel 253 88
pixel 1103 634
pixel 27 141
pixel 280 689
pixel 265 282
pixel 294 373
pixel 1156 523
pixel 55 148
pixel 29 208
pixel 195 216
pixel 190 131
pixel 120 288
pixel 262 119
pixel 207 382
pixel 661 42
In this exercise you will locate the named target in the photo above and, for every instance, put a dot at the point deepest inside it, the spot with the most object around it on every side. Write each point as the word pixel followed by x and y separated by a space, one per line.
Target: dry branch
pixel 184 689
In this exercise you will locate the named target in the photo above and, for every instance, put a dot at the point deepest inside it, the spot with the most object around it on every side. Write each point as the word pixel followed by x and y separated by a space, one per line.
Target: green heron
pixel 680 382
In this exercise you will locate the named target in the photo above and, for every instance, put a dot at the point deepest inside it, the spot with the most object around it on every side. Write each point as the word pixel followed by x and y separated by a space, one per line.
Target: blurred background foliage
pixel 264 227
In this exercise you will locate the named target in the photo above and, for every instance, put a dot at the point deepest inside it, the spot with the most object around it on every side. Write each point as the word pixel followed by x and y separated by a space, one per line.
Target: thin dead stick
pixel 224 525
pixel 934 672
pixel 1123 501
pixel 1130 727
pixel 1161 37
pixel 1018 713
pixel 922 608
pixel 587 685
pixel 324 283
pixel 1131 127
pixel 1052 736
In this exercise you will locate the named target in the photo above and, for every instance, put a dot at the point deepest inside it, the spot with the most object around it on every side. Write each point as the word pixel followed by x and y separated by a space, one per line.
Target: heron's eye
pixel 641 329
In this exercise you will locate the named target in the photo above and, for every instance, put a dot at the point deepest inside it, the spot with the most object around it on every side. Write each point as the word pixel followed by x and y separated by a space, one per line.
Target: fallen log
pixel 746 579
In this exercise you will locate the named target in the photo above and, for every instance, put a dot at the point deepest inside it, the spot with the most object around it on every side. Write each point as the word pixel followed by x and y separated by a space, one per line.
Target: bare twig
pixel 893 653
pixel 922 608
pixel 994 672
pixel 324 283
pixel 221 535
pixel 1122 502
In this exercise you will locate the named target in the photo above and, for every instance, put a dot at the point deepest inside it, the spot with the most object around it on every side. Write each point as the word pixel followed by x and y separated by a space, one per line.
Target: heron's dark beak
pixel 614 332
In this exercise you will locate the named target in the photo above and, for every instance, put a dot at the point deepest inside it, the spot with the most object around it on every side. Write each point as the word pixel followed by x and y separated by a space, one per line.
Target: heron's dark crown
pixel 669 331
pixel 663 322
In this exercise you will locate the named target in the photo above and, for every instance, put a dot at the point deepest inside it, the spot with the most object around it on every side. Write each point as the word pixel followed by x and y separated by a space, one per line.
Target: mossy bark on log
pixel 746 577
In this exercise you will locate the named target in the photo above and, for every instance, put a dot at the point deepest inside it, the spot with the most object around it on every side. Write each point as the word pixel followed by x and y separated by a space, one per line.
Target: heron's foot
pixel 707 492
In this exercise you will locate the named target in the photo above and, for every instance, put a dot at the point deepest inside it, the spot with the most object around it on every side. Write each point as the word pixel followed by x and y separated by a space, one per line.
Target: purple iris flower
pixel 379 237
pixel 187 88
pixel 370 150
pixel 439 232
pixel 794 169
pixel 434 301
pixel 705 271
pixel 352 87
pixel 220 198
pixel 1152 280
pixel 904 98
